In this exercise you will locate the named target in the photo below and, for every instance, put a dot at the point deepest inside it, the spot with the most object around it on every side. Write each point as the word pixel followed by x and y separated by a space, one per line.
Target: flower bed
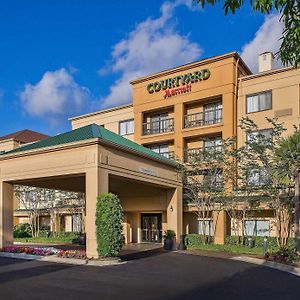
pixel 284 255
pixel 30 250
pixel 81 254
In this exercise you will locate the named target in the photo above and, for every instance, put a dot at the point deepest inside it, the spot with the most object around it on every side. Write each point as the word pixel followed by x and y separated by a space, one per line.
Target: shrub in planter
pixel 109 216
pixel 168 239
pixel 22 231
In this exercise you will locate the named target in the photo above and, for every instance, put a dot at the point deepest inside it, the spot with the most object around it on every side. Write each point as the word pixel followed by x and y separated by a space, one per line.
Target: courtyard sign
pixel 180 84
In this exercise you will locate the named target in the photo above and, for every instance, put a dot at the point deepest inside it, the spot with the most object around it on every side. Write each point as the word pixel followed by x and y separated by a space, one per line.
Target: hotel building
pixel 180 111
pixel 174 113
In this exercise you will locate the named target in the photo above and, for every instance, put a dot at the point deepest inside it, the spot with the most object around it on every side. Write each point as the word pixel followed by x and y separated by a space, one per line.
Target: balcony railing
pixel 161 126
pixel 203 153
pixel 203 118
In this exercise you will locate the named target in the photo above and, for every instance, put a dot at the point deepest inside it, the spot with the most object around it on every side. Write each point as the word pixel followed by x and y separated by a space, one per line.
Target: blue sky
pixel 62 58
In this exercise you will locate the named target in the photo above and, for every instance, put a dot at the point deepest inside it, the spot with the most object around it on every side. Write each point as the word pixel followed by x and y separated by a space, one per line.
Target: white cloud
pixel 55 97
pixel 153 45
pixel 266 39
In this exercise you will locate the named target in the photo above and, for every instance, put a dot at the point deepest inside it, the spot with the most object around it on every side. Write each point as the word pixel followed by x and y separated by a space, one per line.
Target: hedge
pixel 193 240
pixel 109 217
pixel 258 241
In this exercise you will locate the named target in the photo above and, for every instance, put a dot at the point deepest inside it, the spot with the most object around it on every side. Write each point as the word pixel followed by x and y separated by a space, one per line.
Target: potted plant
pixel 168 239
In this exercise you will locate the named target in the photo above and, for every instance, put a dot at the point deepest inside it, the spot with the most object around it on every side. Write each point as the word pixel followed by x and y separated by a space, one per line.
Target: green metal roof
pixel 90 132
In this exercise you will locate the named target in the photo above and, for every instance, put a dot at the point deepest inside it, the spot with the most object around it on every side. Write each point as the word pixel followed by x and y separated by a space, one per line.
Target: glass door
pixel 151 228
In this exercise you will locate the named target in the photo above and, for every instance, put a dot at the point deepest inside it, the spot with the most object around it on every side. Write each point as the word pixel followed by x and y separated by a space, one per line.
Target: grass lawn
pixel 228 248
pixel 45 240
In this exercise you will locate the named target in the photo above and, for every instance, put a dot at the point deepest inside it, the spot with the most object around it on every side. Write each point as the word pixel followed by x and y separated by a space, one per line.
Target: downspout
pixel 236 97
pixel 235 123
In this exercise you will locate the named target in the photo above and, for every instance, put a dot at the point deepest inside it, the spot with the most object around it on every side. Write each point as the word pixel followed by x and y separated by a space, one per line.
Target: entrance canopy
pixel 93 160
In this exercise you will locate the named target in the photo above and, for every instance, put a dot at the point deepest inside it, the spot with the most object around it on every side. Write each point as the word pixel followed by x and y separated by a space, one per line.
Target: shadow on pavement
pixel 143 254
pixel 32 270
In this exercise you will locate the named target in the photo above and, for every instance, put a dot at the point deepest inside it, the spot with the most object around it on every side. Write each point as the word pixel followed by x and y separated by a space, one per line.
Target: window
pixel 263 136
pixel 212 144
pixel 212 113
pixel 162 149
pixel 257 228
pixel 159 123
pixel 126 127
pixel 258 177
pixel 213 179
pixel 259 102
pixel 206 227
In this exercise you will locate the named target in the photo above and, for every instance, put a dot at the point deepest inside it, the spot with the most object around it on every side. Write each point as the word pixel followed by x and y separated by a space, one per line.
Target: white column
pixel 97 182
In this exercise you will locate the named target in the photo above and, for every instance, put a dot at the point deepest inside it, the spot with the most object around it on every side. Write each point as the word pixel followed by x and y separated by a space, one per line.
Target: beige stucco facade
pixel 94 167
pixel 284 85
pixel 108 118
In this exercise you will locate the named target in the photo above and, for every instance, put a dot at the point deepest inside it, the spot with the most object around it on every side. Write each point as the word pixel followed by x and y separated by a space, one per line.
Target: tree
pixel 256 177
pixel 289 52
pixel 30 198
pixel 109 228
pixel 206 176
pixel 287 157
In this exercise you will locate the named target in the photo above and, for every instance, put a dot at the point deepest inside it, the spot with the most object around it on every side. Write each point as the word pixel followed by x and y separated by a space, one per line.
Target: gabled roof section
pixel 91 132
pixel 25 136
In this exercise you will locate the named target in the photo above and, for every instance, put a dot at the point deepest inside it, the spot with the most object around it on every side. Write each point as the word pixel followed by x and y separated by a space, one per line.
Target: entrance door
pixel 151 228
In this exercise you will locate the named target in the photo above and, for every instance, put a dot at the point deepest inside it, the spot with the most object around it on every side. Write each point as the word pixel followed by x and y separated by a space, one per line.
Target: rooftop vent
pixel 265 61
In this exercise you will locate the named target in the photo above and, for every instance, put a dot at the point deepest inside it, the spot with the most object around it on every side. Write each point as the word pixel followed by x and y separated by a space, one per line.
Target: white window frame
pixel 258 176
pixel 209 229
pixel 257 102
pixel 127 127
pixel 255 231
pixel 252 136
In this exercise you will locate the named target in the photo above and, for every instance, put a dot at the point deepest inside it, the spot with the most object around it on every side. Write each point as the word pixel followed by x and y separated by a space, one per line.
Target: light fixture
pixel 171 208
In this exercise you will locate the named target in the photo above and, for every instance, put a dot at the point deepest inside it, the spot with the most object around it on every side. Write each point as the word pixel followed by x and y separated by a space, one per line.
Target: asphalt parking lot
pixel 161 276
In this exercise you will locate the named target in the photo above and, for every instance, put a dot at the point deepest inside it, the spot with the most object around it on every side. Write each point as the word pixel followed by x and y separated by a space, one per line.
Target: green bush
pixel 284 255
pixel 258 241
pixel 193 240
pixel 109 227
pixel 44 231
pixel 22 231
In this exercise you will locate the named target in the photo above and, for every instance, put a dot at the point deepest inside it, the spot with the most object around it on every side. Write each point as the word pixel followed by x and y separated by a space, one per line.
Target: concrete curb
pixel 61 260
pixel 270 264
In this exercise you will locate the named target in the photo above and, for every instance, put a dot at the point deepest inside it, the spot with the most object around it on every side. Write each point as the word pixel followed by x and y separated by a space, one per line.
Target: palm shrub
pixel 109 216
pixel 287 157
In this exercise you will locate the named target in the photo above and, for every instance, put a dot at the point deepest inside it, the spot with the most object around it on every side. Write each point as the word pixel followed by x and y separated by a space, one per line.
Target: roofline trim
pixel 266 73
pixel 101 112
pixel 192 65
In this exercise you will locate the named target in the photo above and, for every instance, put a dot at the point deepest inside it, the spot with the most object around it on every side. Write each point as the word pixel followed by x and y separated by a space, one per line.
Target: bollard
pixel 250 242
pixel 265 246
pixel 182 245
